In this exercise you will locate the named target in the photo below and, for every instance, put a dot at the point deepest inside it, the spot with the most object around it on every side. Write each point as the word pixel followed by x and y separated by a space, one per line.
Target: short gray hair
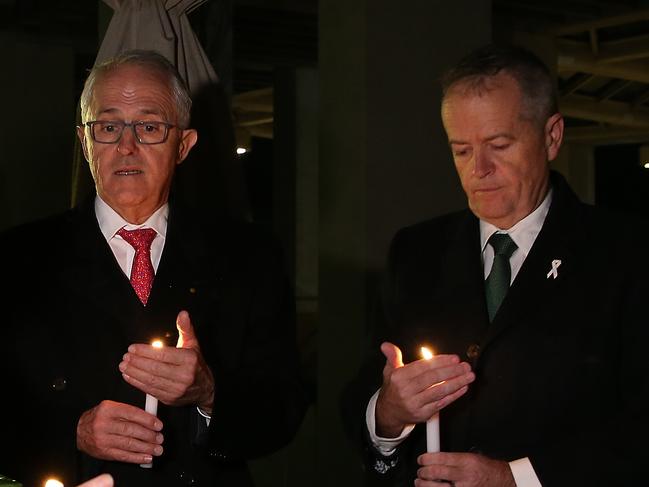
pixel 534 79
pixel 147 59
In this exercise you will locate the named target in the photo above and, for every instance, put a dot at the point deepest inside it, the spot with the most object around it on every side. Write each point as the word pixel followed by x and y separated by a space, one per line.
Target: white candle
pixel 432 425
pixel 151 403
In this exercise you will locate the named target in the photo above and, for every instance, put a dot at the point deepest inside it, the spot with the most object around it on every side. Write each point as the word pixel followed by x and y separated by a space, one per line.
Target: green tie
pixel 497 283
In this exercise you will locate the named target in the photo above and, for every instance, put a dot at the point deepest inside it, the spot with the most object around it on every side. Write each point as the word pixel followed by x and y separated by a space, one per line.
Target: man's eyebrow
pixel 108 110
pixel 488 139
pixel 144 111
pixel 456 142
pixel 499 136
pixel 150 111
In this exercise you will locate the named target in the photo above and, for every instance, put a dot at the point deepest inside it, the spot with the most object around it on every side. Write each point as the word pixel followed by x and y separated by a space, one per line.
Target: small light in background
pixel 643 156
pixel 53 483
pixel 241 150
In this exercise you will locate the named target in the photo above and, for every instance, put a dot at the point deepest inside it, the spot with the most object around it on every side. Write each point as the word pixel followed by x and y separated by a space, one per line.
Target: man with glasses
pixel 96 285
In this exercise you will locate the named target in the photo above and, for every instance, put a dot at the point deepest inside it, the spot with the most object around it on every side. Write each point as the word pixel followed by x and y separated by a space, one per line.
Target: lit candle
pixel 432 425
pixel 53 483
pixel 151 403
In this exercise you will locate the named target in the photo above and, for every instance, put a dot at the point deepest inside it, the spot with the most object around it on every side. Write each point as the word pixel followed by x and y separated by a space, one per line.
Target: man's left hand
pixel 104 480
pixel 176 376
pixel 462 470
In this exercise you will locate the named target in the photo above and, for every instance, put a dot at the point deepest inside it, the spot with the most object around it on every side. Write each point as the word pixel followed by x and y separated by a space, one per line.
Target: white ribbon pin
pixel 553 272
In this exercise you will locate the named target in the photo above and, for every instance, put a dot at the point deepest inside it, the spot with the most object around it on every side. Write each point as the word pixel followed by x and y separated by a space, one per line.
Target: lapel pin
pixel 554 272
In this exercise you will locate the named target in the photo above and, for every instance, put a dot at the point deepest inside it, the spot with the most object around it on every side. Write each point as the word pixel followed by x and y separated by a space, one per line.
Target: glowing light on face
pixel 426 353
pixel 157 344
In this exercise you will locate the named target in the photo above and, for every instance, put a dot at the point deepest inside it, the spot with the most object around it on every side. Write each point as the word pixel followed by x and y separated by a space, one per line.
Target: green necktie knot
pixel 502 244
pixel 497 283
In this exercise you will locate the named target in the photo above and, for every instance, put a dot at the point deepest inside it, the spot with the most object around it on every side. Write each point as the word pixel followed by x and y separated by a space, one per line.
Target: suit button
pixel 59 384
pixel 186 478
pixel 473 351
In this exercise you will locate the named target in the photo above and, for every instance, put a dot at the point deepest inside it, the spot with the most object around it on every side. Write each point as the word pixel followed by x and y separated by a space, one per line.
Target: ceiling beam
pixel 626 18
pixel 606 135
pixel 265 131
pixel 575 82
pixel 578 57
pixel 624 50
pixel 613 112
pixel 248 119
pixel 612 89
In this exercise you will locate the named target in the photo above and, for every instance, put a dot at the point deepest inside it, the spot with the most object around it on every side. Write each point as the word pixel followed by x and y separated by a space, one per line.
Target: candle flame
pixel 53 483
pixel 426 353
pixel 157 343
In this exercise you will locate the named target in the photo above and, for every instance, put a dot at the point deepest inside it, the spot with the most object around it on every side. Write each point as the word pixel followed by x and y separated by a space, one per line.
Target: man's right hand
pixel 119 432
pixel 412 393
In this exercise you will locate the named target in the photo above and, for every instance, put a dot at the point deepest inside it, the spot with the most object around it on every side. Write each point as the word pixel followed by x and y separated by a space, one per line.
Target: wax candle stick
pixel 151 403
pixel 432 425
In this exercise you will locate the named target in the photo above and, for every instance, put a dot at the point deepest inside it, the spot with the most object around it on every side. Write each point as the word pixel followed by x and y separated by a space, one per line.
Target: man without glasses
pixel 535 304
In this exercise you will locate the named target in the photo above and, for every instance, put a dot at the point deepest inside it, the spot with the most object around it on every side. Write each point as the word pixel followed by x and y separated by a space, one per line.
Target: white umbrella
pixel 163 26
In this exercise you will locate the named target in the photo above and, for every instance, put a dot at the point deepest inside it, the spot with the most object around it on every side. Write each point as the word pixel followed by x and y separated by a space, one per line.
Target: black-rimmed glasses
pixel 109 132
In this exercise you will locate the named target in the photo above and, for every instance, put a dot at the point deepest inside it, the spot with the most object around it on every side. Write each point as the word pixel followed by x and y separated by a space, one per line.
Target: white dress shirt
pixel 523 234
pixel 110 222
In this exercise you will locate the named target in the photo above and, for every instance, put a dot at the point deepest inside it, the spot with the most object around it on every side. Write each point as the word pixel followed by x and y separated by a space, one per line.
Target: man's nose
pixel 127 143
pixel 482 164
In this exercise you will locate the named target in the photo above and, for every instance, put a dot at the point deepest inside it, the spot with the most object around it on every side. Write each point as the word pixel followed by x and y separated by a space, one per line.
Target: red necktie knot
pixel 142 272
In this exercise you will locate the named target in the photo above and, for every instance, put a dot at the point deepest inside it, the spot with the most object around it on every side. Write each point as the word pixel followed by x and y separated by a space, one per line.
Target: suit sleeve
pixel 260 403
pixel 380 469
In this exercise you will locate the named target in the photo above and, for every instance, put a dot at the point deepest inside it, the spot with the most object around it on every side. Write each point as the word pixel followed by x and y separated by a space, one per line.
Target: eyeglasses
pixel 110 132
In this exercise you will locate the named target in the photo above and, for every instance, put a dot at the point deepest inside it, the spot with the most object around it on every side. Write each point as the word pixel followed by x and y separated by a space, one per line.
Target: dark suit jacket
pixel 561 373
pixel 71 314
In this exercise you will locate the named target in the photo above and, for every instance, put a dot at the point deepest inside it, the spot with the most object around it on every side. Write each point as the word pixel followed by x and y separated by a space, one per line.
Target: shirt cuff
pixel 385 446
pixel 205 415
pixel 523 473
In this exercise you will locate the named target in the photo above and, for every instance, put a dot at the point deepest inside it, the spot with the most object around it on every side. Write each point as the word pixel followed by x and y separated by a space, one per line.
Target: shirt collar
pixel 110 222
pixel 524 232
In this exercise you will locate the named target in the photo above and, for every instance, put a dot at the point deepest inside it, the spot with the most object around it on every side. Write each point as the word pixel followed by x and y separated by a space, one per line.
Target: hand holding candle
pixel 412 393
pixel 432 425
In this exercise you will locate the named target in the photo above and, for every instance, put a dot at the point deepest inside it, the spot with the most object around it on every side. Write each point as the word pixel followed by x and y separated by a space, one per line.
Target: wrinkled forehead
pixel 133 88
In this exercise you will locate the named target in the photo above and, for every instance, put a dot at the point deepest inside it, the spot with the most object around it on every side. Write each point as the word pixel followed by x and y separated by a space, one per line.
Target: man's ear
pixel 188 139
pixel 81 133
pixel 553 135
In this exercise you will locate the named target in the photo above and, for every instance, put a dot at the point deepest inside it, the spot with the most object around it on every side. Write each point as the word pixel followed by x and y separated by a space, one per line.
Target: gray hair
pixel 146 59
pixel 534 79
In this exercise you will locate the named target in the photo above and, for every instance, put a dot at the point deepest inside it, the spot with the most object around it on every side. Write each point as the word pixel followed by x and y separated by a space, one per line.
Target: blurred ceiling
pixel 602 59
pixel 602 53
pixel 602 63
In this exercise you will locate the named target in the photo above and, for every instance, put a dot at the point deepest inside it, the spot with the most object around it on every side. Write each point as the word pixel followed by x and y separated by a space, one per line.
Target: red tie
pixel 142 270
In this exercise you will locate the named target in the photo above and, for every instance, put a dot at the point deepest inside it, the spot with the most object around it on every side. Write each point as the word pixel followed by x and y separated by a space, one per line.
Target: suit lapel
pixel 93 272
pixel 189 275
pixel 451 310
pixel 533 289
